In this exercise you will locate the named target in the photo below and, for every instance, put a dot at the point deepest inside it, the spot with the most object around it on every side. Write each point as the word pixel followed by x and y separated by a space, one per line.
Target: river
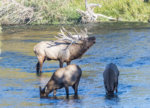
pixel 125 44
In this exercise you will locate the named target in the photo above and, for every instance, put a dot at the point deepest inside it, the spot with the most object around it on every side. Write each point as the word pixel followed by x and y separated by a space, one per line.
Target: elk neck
pixel 49 87
pixel 77 50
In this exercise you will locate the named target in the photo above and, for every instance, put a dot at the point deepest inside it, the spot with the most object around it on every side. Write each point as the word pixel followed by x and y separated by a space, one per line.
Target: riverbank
pixel 11 29
pixel 64 11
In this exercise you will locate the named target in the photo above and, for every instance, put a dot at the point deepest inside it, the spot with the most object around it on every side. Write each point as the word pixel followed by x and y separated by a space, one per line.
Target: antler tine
pixel 79 37
pixel 62 33
pixel 57 37
pixel 64 36
pixel 69 34
pixel 83 33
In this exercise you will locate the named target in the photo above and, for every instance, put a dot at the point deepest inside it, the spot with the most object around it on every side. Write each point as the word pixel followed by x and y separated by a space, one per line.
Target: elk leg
pixel 116 90
pixel 60 63
pixel 37 67
pixel 75 87
pixel 67 91
pixel 117 87
pixel 68 63
pixel 40 64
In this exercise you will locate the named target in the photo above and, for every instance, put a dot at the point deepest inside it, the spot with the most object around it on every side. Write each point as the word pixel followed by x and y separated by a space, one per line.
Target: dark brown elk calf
pixel 110 75
pixel 67 48
pixel 63 77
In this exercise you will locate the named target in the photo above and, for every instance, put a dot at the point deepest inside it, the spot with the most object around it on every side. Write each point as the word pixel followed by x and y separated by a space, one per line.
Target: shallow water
pixel 125 44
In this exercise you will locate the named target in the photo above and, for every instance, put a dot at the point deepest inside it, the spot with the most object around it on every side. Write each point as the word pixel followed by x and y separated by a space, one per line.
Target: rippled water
pixel 125 44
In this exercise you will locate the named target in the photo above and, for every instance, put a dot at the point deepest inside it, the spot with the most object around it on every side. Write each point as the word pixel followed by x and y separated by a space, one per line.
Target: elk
pixel 66 48
pixel 110 75
pixel 63 77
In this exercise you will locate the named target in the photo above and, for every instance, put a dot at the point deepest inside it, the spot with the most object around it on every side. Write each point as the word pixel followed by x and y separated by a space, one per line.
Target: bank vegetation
pixel 65 11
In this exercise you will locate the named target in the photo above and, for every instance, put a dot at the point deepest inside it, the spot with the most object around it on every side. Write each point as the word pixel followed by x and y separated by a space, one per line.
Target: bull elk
pixel 63 77
pixel 66 48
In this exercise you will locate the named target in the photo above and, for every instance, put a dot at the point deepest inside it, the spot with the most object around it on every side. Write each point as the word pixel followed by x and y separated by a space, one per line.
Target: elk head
pixel 87 41
pixel 44 92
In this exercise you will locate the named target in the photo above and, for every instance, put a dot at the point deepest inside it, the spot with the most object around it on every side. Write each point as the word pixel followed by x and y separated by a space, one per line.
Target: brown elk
pixel 67 48
pixel 63 77
pixel 110 76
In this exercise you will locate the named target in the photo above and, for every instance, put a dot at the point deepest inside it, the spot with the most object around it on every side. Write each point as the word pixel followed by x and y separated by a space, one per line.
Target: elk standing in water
pixel 63 77
pixel 67 48
pixel 110 76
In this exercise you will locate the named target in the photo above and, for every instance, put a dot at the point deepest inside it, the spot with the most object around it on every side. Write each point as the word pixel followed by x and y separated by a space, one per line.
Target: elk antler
pixel 64 37
pixel 69 37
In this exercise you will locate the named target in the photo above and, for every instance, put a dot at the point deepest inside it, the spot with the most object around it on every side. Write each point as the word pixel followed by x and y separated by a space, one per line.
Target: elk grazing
pixel 67 48
pixel 63 77
pixel 110 75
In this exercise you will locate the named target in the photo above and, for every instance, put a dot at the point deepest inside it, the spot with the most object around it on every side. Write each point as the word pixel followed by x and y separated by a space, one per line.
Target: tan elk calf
pixel 63 77
pixel 67 48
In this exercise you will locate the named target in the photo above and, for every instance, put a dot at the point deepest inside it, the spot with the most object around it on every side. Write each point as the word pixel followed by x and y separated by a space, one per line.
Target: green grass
pixel 64 11
pixel 128 10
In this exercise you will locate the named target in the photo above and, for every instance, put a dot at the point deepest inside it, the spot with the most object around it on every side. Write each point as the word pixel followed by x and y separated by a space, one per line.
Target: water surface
pixel 125 44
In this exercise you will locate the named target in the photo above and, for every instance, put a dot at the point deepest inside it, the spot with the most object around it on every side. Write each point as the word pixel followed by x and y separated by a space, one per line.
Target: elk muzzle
pixel 92 39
